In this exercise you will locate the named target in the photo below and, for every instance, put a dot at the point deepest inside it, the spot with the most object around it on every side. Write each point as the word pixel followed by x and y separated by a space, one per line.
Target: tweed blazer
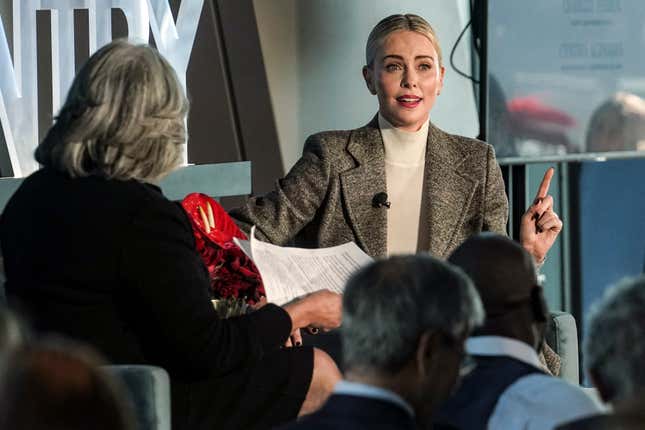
pixel 326 198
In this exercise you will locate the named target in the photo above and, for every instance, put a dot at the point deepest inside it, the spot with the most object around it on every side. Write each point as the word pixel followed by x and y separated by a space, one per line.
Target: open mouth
pixel 409 100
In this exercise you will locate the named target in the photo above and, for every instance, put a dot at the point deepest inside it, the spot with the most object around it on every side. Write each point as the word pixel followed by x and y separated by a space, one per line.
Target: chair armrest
pixel 562 337
pixel 149 388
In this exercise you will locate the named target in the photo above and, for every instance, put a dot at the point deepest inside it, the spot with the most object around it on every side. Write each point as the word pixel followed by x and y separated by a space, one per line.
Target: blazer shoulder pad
pixel 469 147
pixel 328 142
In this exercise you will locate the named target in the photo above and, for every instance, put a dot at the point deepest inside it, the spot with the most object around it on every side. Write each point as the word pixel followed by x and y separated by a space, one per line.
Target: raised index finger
pixel 544 186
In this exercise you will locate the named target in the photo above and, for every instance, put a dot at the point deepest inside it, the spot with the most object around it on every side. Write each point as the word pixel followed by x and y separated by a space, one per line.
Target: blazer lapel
pixel 448 191
pixel 359 185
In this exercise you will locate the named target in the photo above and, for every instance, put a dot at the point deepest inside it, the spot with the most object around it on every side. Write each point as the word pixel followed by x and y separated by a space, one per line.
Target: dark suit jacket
pixel 608 422
pixel 476 397
pixel 113 263
pixel 355 413
pixel 326 198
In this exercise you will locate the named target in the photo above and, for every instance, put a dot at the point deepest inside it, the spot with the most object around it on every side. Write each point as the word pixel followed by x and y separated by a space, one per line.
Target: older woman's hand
pixel 540 225
pixel 320 309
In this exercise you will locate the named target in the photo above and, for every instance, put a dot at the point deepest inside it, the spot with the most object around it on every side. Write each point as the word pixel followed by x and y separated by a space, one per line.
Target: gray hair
pixel 614 345
pixel 389 304
pixel 392 23
pixel 123 117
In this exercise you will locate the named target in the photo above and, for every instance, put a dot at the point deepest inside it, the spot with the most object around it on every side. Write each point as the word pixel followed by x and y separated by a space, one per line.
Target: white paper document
pixel 288 273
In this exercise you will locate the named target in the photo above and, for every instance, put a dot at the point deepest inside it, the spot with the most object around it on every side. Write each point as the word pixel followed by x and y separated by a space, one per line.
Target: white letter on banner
pixel 8 92
pixel 18 79
pixel 175 41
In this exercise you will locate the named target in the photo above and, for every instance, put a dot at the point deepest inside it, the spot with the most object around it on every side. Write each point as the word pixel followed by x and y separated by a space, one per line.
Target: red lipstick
pixel 409 100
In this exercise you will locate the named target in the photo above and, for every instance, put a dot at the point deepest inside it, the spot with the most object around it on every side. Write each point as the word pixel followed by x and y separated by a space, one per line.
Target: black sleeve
pixel 165 281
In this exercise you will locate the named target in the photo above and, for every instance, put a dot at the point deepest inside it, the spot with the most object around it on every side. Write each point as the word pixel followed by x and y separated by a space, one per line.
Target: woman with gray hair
pixel 398 185
pixel 93 250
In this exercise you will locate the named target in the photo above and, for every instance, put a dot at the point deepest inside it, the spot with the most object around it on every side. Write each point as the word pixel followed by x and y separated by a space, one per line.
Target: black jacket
pixel 113 263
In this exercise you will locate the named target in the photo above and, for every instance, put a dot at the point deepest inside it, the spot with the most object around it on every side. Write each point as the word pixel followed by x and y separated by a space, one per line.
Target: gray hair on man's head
pixel 390 303
pixel 615 341
pixel 398 22
pixel 123 117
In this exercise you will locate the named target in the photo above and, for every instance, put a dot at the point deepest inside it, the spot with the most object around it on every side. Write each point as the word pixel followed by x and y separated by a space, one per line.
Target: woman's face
pixel 406 77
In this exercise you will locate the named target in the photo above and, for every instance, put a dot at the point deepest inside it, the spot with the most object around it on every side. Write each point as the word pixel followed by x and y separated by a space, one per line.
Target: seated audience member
pixel 405 320
pixel 93 250
pixel 60 386
pixel 508 389
pixel 614 353
pixel 618 124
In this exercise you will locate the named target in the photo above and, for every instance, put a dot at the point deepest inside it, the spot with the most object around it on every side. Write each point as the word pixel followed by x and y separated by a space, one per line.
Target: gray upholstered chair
pixel 149 390
pixel 562 337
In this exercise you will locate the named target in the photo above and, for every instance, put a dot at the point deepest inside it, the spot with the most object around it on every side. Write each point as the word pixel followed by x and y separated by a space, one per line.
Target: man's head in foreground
pixel 505 277
pixel 405 320
pixel 615 343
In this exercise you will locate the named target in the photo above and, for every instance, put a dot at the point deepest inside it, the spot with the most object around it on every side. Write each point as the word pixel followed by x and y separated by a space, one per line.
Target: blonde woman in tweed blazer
pixel 328 196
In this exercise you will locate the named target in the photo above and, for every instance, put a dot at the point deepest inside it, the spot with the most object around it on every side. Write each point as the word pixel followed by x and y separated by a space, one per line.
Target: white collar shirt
pixel 363 390
pixel 536 401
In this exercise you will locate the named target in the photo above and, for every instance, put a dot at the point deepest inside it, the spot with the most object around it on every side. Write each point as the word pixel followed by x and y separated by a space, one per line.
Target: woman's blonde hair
pixel 123 117
pixel 392 23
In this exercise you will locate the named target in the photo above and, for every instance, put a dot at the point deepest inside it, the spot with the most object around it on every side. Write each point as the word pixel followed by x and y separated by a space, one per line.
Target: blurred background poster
pixel 566 78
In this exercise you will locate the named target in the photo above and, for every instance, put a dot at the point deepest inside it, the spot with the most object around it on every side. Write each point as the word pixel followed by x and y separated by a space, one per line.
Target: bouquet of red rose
pixel 234 279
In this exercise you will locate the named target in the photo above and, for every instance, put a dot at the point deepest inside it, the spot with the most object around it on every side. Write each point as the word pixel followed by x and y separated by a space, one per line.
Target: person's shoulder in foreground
pixel 624 421
pixel 355 412
pixel 614 349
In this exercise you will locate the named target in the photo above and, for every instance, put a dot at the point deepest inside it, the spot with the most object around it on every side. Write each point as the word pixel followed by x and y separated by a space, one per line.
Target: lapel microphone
pixel 380 200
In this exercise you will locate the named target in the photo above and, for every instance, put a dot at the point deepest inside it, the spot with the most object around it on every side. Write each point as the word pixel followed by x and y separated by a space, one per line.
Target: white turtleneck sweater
pixel 404 168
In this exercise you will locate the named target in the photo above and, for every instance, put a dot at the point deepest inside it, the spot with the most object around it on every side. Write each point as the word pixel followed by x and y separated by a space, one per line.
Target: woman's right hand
pixel 322 309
